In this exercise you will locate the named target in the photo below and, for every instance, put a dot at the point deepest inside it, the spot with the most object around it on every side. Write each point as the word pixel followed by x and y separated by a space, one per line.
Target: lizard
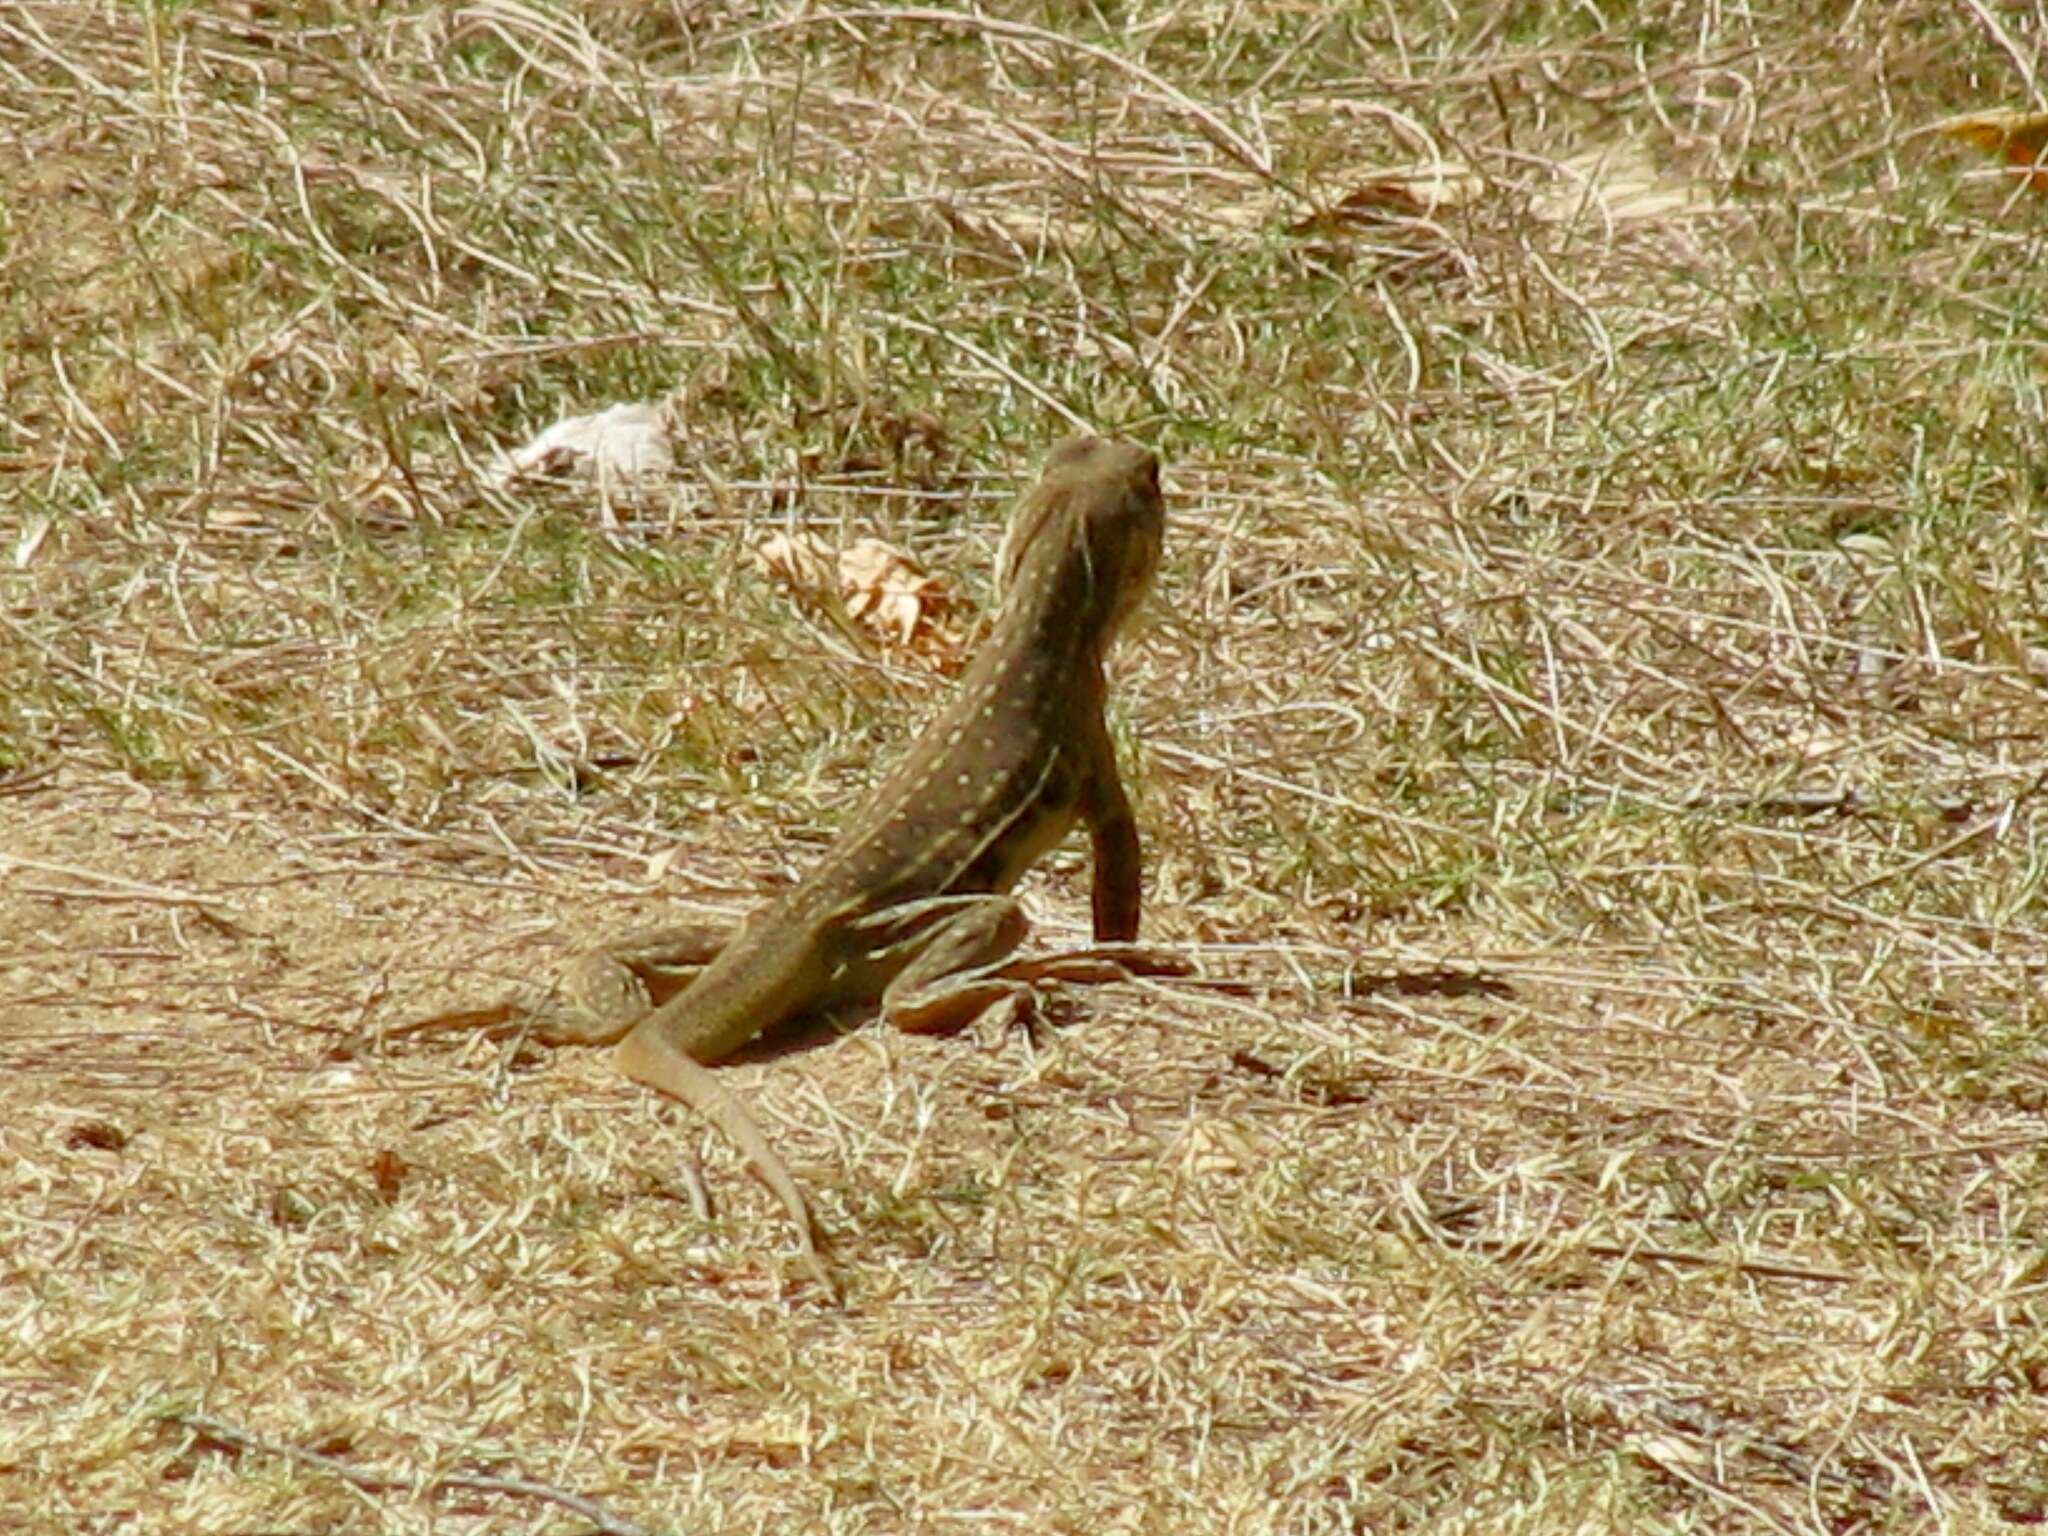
pixel 909 906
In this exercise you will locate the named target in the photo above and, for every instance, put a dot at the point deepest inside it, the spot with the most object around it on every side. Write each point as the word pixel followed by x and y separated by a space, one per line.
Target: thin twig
pixel 222 1434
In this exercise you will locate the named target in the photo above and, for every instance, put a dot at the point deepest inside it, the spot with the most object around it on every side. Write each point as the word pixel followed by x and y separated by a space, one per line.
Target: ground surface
pixel 1590 736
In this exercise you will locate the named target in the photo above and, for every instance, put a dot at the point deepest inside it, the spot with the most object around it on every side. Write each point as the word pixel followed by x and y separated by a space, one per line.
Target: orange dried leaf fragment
pixel 2021 137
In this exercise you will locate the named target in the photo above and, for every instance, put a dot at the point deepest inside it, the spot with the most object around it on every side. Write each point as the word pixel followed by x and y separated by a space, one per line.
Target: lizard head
pixel 1092 526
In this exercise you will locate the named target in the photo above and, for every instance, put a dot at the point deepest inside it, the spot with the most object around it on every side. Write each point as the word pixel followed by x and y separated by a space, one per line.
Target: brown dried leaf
pixel 1411 192
pixel 882 586
pixel 387 1171
pixel 887 590
pixel 802 561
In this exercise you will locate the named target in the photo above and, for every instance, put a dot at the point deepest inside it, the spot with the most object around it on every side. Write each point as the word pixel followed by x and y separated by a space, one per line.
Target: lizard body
pixel 908 905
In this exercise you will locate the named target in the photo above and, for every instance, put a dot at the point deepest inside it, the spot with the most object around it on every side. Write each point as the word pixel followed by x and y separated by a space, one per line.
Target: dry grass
pixel 1594 722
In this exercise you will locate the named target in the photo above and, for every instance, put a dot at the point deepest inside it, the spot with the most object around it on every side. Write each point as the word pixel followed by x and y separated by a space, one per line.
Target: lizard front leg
pixel 1113 837
pixel 1117 893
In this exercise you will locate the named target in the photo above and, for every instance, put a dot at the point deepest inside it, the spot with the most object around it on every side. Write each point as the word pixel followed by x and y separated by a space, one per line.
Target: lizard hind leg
pixel 649 1057
pixel 956 969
